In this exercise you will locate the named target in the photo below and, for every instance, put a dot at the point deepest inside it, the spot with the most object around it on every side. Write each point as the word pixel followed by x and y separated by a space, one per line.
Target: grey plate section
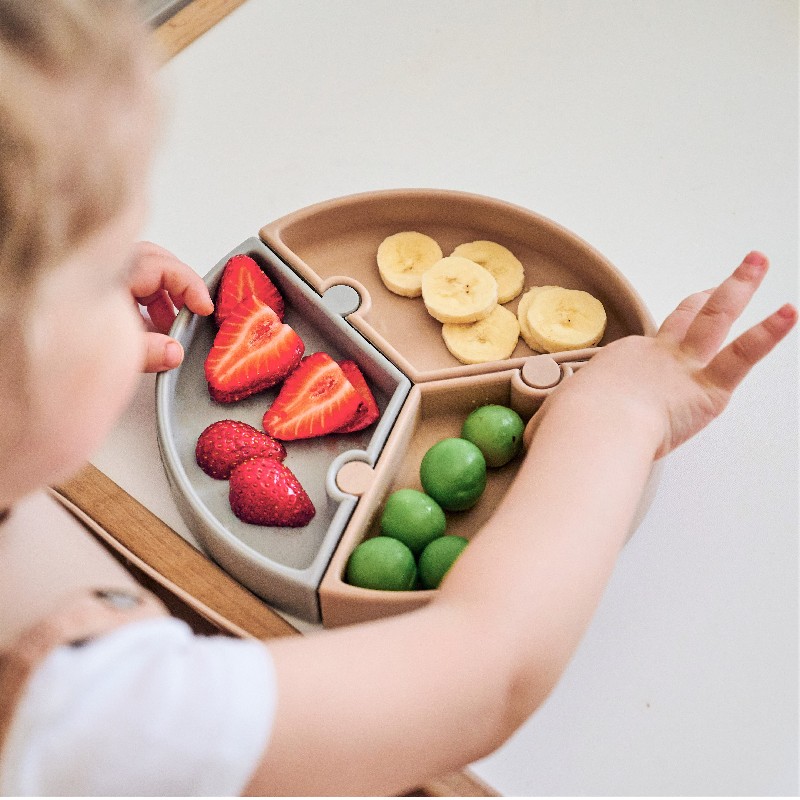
pixel 282 565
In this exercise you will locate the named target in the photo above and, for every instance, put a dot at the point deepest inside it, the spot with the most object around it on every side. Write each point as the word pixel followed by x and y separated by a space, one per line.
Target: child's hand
pixel 681 378
pixel 161 283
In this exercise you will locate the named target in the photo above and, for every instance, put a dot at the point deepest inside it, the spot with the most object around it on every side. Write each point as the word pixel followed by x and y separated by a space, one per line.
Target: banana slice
pixel 500 261
pixel 522 317
pixel 490 339
pixel 403 257
pixel 456 289
pixel 565 319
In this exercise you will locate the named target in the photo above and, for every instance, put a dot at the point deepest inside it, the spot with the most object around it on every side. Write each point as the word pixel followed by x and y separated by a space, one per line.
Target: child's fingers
pixel 197 298
pixel 187 288
pixel 677 323
pixel 157 269
pixel 162 353
pixel 727 370
pixel 184 286
pixel 709 328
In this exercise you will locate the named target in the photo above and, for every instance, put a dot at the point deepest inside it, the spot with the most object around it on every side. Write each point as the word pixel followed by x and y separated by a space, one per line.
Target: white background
pixel 665 134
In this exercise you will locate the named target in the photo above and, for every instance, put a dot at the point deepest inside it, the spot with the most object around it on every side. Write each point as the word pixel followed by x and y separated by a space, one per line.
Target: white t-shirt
pixel 150 709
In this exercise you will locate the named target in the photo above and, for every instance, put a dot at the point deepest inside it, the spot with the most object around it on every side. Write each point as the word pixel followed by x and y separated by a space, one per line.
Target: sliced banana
pixel 565 319
pixel 456 289
pixel 522 317
pixel 403 257
pixel 490 339
pixel 500 261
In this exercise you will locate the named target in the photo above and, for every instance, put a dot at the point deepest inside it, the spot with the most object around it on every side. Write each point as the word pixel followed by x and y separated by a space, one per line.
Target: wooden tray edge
pixel 140 537
pixel 190 23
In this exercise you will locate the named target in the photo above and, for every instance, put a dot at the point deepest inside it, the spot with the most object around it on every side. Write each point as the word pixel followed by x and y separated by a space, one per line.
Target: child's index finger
pixel 709 329
pixel 158 270
pixel 198 299
pixel 186 287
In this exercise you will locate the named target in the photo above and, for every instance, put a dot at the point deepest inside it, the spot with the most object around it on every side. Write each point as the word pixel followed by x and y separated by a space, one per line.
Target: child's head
pixel 76 127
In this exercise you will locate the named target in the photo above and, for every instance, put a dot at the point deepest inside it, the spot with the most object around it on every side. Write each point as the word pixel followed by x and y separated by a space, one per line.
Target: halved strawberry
pixel 314 400
pixel 265 492
pixel 225 444
pixel 252 350
pixel 243 278
pixel 368 410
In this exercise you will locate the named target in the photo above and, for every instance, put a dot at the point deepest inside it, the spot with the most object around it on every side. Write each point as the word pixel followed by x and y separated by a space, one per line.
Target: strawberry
pixel 368 410
pixel 314 400
pixel 252 350
pixel 265 492
pixel 243 278
pixel 224 444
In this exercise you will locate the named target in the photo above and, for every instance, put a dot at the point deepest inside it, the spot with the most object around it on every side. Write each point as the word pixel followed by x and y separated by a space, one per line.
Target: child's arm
pixel 380 707
pixel 161 283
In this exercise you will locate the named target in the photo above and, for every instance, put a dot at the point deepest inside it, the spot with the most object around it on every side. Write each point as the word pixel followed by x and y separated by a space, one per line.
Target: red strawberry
pixel 314 400
pixel 252 350
pixel 265 492
pixel 224 444
pixel 243 278
pixel 368 410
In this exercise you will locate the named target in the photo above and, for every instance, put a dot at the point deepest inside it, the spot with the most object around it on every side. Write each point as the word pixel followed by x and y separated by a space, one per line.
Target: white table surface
pixel 664 133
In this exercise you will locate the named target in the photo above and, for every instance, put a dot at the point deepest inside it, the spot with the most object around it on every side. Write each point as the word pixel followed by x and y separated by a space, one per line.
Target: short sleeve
pixel 148 710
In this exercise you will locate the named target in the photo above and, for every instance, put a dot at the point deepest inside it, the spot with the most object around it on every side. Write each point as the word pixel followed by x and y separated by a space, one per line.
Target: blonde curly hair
pixel 77 105
pixel 71 94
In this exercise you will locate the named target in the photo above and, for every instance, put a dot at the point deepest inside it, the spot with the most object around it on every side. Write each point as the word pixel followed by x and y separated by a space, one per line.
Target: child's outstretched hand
pixel 681 378
pixel 162 283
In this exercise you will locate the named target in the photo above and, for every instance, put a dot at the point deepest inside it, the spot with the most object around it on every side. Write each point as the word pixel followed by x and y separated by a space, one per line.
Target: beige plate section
pixel 433 411
pixel 336 242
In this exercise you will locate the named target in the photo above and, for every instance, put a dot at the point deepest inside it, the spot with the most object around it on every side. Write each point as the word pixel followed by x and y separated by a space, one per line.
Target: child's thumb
pixel 162 353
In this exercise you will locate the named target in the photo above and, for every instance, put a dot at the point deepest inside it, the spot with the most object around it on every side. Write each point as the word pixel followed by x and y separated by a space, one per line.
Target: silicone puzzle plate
pixel 323 259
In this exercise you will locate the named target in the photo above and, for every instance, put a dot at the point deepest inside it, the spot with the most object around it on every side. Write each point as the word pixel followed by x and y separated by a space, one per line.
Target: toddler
pixel 101 691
